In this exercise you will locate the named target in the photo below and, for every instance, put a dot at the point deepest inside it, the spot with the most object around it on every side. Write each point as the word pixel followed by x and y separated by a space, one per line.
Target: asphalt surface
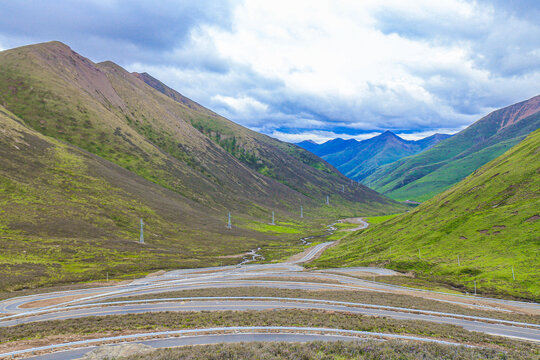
pixel 500 329
pixel 206 340
pixel 89 302
pixel 245 334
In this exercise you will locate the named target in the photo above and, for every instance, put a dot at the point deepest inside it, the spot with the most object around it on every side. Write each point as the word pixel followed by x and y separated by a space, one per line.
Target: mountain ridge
pixel 115 99
pixel 358 159
pixel 421 176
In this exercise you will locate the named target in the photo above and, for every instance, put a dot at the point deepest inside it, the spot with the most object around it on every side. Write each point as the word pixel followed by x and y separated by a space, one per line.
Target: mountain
pixel 359 159
pixel 490 220
pixel 421 176
pixel 88 149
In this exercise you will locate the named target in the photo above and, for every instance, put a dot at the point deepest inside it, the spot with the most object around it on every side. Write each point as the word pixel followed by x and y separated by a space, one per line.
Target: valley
pixel 87 150
pixel 136 224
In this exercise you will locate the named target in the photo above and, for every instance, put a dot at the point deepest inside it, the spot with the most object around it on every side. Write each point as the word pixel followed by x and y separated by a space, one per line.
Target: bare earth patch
pixel 235 256
pixel 117 351
pixel 54 301
pixel 156 274
pixel 294 278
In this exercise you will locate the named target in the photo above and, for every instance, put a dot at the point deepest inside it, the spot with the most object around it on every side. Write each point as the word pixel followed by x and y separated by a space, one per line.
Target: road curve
pixel 528 332
pixel 206 340
pixel 314 250
pixel 86 302
pixel 248 329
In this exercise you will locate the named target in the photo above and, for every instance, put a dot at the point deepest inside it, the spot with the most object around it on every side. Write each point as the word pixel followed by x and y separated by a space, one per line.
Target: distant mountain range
pixel 428 173
pixel 359 159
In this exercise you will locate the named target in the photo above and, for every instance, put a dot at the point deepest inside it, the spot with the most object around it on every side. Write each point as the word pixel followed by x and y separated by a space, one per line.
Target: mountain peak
pixel 388 133
pixel 56 48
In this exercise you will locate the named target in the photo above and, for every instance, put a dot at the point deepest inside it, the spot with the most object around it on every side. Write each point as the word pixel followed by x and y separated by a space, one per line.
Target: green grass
pixel 63 221
pixel 374 220
pixel 278 228
pixel 422 176
pixel 490 220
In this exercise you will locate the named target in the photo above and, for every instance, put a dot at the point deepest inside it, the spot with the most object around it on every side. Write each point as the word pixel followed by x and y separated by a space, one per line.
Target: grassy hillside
pixel 87 149
pixel 68 215
pixel 176 144
pixel 419 177
pixel 490 220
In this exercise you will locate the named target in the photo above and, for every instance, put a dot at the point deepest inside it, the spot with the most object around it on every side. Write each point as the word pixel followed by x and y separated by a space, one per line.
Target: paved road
pixel 314 250
pixel 489 326
pixel 243 277
pixel 207 340
pixel 247 333
pixel 362 224
pixel 65 303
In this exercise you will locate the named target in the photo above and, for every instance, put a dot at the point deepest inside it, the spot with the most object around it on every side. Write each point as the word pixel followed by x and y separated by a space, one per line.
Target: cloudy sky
pixel 310 69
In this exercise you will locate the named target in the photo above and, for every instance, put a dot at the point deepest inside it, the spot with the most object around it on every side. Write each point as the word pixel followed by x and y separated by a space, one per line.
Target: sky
pixel 310 69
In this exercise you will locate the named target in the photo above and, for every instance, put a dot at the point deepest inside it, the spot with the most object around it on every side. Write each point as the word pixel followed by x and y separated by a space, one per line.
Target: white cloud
pixel 312 65
pixel 423 134
pixel 243 105
pixel 333 65
pixel 319 136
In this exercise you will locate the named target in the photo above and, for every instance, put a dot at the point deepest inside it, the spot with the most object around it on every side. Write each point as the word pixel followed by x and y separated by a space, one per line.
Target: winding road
pixel 289 275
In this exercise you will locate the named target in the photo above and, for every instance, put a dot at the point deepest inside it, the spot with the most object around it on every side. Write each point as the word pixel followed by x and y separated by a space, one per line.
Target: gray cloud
pixel 493 60
pixel 120 30
pixel 503 36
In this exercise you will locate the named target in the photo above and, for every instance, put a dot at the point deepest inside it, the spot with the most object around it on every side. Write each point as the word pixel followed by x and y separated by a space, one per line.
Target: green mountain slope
pixel 422 176
pixel 185 148
pixel 490 220
pixel 68 215
pixel 102 149
pixel 281 161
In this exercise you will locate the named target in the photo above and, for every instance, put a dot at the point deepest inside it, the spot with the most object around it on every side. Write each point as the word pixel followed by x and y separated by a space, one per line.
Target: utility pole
pixel 141 237
pixel 474 287
pixel 229 225
pixel 327 200
pixel 273 218
pixel 513 276
pixel 301 212
pixel 342 188
pixel 458 263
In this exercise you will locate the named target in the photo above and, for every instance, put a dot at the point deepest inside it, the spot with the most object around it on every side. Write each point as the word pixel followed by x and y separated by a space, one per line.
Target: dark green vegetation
pixel 361 350
pixel 161 321
pixel 422 176
pixel 359 159
pixel 87 149
pixel 490 220
pixel 362 297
